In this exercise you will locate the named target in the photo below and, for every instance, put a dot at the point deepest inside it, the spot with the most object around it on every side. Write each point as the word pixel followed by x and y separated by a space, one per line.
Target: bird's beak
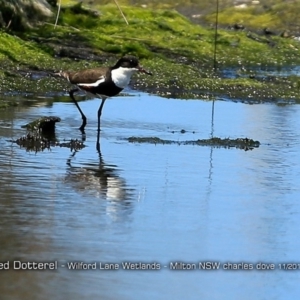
pixel 142 70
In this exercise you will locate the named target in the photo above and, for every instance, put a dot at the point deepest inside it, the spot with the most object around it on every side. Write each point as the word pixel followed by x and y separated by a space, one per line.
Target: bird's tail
pixel 61 74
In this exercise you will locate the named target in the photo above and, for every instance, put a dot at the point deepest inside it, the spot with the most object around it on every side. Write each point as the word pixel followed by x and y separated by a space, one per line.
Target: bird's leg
pixel 100 111
pixel 71 93
pixel 99 115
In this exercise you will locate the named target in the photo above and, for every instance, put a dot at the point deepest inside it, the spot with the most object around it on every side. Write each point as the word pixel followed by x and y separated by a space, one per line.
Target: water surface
pixel 152 203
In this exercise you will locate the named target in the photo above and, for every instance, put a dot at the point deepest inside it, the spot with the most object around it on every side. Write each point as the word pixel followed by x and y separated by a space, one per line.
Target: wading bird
pixel 102 82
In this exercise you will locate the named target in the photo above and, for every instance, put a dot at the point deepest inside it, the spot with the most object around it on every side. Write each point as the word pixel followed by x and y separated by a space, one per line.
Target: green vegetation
pixel 276 15
pixel 179 52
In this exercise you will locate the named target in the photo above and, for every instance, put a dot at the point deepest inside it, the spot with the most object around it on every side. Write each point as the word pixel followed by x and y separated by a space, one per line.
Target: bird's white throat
pixel 121 76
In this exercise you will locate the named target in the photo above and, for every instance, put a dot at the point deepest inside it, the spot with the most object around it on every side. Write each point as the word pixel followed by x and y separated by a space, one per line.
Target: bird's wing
pixel 89 77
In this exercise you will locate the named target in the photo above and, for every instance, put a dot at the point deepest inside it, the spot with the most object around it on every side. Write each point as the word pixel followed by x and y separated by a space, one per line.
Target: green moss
pixel 178 52
pixel 164 31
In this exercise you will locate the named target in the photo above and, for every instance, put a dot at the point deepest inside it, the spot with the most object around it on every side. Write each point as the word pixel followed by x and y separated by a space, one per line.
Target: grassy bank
pixel 178 52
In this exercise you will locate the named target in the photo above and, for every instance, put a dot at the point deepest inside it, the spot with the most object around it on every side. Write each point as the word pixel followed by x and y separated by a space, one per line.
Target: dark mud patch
pixel 239 143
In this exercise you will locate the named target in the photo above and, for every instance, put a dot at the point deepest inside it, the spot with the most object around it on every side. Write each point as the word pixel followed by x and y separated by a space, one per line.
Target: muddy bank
pixel 171 80
pixel 246 85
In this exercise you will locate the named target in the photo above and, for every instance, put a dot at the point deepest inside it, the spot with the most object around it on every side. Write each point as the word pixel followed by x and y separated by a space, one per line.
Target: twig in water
pixel 215 67
pixel 216 36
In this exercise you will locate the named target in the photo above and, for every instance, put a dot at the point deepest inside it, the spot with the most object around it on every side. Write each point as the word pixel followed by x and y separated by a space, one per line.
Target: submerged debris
pixel 239 143
pixel 41 136
pixel 44 124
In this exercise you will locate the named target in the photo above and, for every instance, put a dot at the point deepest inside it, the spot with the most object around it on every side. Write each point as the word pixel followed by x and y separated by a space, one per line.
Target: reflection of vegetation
pixel 179 53
pixel 36 142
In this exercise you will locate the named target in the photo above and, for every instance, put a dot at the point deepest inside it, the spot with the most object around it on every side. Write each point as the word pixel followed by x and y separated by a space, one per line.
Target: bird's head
pixel 130 62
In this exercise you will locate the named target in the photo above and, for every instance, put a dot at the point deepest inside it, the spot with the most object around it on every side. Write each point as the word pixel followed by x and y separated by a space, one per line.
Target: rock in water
pixel 43 124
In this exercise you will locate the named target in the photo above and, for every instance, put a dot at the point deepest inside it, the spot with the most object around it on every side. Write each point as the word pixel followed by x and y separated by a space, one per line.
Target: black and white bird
pixel 102 82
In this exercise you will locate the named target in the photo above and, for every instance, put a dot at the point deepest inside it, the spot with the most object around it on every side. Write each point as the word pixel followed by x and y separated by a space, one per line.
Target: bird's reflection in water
pixel 102 181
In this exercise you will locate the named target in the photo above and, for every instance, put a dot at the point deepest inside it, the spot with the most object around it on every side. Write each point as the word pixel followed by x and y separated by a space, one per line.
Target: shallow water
pixel 261 72
pixel 152 203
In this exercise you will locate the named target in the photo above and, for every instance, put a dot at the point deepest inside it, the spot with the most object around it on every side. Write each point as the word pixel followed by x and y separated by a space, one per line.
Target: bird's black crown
pixel 127 62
